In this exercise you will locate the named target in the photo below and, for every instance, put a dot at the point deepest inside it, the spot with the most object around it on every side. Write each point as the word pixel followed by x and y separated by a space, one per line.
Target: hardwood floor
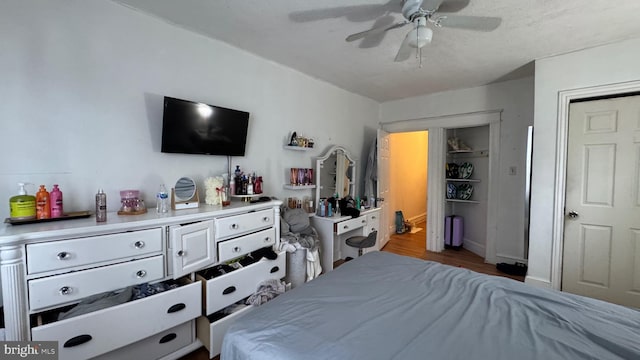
pixel 414 245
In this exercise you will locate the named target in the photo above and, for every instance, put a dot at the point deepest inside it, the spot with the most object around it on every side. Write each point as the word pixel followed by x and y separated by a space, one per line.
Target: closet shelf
pixel 462 180
pixel 463 201
pixel 298 187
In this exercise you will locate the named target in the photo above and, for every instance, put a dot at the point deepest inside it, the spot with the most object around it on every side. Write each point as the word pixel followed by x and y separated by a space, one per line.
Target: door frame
pixel 564 99
pixel 437 126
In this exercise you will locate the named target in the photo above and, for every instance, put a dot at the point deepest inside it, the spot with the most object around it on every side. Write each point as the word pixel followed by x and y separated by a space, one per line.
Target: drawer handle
pixel 275 269
pixel 266 219
pixel 176 308
pixel 345 227
pixel 63 255
pixel 363 221
pixel 234 226
pixel 65 290
pixel 181 253
pixel 267 239
pixel 228 290
pixel 167 338
pixel 139 244
pixel 237 249
pixel 77 340
pixel 141 274
pixel 373 217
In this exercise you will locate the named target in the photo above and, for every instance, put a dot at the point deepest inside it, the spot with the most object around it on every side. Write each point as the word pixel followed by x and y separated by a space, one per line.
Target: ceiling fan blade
pixel 355 13
pixel 451 6
pixel 478 23
pixel 431 5
pixel 371 41
pixel 405 49
pixel 373 31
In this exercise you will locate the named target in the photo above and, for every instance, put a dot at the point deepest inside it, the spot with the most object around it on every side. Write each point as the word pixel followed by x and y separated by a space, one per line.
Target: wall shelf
pixel 298 187
pixel 462 180
pixel 469 153
pixel 297 148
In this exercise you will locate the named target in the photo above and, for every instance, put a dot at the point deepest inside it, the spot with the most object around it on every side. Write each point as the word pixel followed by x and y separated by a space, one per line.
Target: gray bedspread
pixel 386 306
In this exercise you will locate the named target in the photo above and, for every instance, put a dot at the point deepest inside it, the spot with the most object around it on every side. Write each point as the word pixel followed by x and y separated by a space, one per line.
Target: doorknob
pixel 573 214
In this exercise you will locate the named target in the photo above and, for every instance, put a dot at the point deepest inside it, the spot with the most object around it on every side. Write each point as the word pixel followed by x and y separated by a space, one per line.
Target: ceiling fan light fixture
pixel 420 37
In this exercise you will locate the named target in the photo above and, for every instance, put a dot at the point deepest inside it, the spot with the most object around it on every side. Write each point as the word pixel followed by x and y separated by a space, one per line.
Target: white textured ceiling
pixel 310 36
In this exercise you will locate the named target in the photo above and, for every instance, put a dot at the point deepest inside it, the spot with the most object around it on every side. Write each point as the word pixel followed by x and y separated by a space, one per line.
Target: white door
pixel 386 221
pixel 601 257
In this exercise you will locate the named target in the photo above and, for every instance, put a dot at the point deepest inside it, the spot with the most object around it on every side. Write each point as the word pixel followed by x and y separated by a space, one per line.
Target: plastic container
pixel 101 206
pixel 22 206
pixel 56 202
pixel 43 205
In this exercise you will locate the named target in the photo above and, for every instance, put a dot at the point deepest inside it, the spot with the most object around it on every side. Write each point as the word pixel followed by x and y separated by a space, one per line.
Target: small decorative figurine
pixel 294 139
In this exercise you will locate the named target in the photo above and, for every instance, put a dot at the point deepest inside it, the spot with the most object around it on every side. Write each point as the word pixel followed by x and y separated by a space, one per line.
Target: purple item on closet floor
pixel 453 231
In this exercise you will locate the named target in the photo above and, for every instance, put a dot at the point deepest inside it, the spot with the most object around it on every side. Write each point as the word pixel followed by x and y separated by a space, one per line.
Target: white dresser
pixel 49 268
pixel 335 230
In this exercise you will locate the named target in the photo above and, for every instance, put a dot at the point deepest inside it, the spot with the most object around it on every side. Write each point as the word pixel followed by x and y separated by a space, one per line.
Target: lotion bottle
pixel 22 206
pixel 43 207
pixel 56 202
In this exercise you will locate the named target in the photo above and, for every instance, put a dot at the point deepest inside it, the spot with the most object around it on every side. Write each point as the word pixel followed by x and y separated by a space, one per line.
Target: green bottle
pixel 22 206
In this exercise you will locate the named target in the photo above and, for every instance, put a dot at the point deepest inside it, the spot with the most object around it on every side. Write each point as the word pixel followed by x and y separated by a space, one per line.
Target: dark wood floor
pixel 414 245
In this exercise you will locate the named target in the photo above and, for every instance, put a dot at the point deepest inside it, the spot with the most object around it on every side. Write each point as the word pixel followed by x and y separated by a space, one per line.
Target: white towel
pixel 313 264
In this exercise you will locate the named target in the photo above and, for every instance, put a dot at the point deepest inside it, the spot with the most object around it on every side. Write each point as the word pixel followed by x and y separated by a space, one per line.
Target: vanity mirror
pixel 335 174
pixel 185 194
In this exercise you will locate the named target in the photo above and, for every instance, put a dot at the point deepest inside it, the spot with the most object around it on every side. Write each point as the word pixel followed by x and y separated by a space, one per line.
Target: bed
pixel 387 306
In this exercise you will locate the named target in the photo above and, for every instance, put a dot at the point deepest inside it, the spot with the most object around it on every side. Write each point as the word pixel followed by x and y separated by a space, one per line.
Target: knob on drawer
pixel 234 226
pixel 63 255
pixel 139 244
pixel 237 249
pixel 65 290
pixel 265 219
pixel 180 253
pixel 141 273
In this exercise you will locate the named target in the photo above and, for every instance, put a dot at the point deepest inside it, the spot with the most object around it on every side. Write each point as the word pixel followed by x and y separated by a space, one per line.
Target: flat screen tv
pixel 195 128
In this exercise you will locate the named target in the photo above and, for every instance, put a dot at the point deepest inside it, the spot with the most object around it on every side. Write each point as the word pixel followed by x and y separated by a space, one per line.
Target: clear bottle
pixel 162 204
pixel 101 206
pixel 56 202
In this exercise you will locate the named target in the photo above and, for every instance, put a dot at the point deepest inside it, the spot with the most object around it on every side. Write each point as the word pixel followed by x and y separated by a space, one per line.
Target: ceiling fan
pixel 420 13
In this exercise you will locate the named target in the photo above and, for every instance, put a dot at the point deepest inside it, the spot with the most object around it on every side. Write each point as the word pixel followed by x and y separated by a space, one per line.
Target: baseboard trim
pixel 474 247
pixel 511 259
pixel 422 218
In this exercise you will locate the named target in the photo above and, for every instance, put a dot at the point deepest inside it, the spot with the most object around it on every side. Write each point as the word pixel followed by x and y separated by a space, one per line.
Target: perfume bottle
pixel 101 206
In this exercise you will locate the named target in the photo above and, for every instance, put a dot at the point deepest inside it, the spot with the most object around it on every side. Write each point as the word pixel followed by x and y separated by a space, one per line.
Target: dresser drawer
pixel 226 289
pixel 231 226
pixel 234 248
pixel 99 332
pixel 350 225
pixel 211 333
pixel 60 289
pixel 65 254
pixel 156 346
pixel 373 222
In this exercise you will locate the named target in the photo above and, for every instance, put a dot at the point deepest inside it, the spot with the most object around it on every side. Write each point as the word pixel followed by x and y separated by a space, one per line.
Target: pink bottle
pixel 56 202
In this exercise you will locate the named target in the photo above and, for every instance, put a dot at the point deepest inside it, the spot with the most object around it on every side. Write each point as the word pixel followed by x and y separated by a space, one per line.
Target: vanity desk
pixel 336 177
pixel 50 268
pixel 335 230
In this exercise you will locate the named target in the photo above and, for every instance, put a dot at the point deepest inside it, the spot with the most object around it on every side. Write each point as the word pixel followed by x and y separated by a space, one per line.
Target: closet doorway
pixel 436 154
pixel 408 168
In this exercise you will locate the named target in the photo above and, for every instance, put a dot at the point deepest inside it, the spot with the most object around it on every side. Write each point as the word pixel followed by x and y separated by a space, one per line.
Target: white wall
pixel 82 88
pixel 609 64
pixel 516 99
